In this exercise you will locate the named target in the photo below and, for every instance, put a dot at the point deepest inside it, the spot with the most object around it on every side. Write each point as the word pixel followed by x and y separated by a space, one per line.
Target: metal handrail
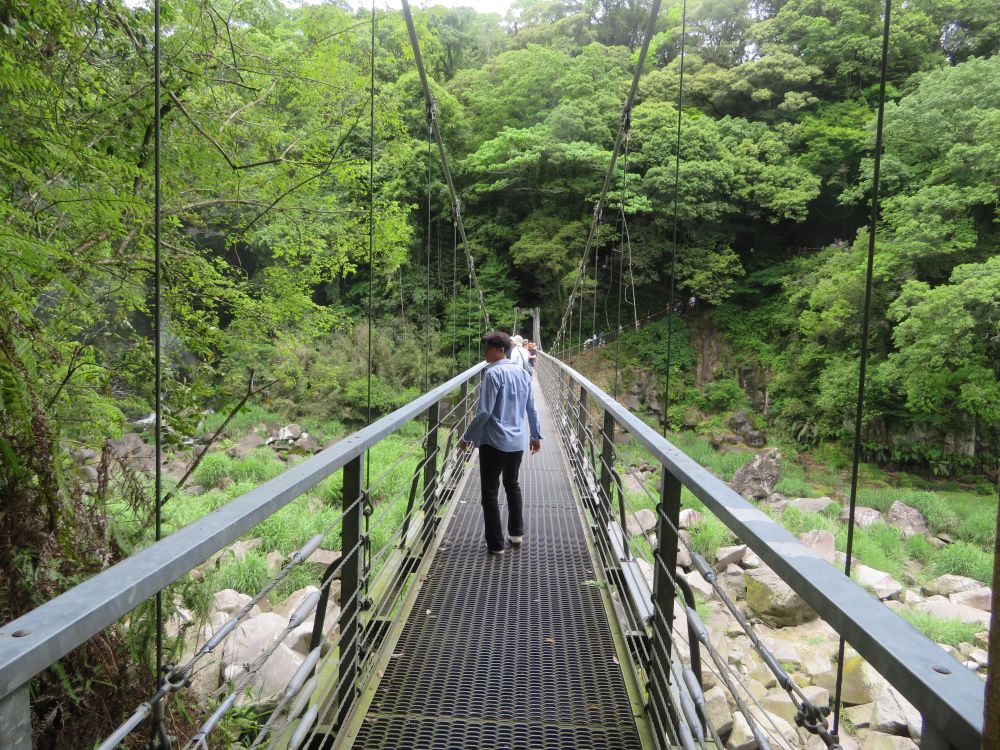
pixel 38 639
pixel 950 698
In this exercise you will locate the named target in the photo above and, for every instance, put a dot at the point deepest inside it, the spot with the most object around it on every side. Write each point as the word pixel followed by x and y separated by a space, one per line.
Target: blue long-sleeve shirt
pixel 504 397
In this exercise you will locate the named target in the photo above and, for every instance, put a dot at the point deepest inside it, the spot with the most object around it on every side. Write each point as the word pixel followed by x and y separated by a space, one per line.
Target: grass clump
pixel 980 527
pixel 246 576
pixel 880 546
pixel 939 630
pixel 708 535
pixel 963 559
pixel 257 467
pixel 213 469
pixel 792 480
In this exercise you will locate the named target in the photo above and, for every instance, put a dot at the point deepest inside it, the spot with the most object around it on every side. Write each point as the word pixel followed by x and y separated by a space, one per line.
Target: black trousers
pixel 493 464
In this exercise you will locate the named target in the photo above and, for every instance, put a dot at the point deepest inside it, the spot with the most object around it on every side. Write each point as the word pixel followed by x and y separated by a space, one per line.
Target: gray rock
pixel 773 600
pixel 246 445
pixel 289 432
pixel 863 517
pixel 909 521
pixel 947 585
pixel 251 637
pixel 883 585
pixel 641 522
pixel 229 601
pixel 726 555
pixel 84 455
pixel 741 738
pixel 756 478
pixel 942 607
pixel 823 543
pixel 893 714
pixel 980 598
pixel 689 517
pixel 862 684
pixel 717 708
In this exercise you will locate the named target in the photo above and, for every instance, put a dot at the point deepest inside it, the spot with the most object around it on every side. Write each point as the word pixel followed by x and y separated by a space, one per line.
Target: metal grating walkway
pixel 510 652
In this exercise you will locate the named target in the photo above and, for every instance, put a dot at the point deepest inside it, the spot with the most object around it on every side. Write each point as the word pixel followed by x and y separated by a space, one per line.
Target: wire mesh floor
pixel 511 652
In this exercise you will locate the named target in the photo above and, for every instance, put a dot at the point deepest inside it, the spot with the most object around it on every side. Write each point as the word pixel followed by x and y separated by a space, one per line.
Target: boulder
pixel 683 557
pixel 948 584
pixel 240 549
pixel 726 555
pixel 980 598
pixel 717 708
pixel 251 637
pixel 641 522
pixel 699 584
pixel 893 714
pixel 909 521
pixel 741 738
pixel 863 517
pixel 880 583
pixel 305 444
pixel 229 601
pixel 757 477
pixel 862 684
pixel 246 445
pixel 861 715
pixel 941 607
pixel 815 662
pixel 272 678
pixel 823 543
pixel 289 432
pixel 689 517
pixel 773 600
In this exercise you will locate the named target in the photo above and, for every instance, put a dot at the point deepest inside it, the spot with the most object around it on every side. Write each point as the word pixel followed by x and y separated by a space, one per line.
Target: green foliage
pixel 980 527
pixel 213 469
pixel 648 344
pixel 247 576
pixel 723 394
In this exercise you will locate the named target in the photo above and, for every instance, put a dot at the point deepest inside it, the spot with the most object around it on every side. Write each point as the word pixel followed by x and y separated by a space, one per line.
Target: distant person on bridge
pixel 519 355
pixel 498 429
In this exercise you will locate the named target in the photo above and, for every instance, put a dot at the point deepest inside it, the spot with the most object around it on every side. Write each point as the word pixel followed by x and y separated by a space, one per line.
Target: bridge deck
pixel 512 652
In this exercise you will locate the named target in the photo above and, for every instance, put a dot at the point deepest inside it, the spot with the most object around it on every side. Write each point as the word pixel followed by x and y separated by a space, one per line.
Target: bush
pixel 723 394
pixel 963 559
pixel 212 470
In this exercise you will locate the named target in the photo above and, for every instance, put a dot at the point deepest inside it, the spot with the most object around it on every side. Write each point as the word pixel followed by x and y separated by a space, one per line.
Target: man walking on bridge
pixel 498 429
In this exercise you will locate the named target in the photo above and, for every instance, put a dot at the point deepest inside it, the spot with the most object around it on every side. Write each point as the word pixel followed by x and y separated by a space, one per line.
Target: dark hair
pixel 496 340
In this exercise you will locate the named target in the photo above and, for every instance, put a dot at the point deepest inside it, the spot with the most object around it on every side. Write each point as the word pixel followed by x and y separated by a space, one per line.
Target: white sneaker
pixel 516 539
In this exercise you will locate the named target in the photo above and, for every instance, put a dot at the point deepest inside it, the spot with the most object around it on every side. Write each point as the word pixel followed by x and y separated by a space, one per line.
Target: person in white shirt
pixel 518 354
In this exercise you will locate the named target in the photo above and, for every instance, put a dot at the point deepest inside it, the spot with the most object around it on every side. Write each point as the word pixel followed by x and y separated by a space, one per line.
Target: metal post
pixel 607 455
pixel 666 552
pixel 430 472
pixel 581 421
pixel 350 586
pixel 15 720
pixel 463 396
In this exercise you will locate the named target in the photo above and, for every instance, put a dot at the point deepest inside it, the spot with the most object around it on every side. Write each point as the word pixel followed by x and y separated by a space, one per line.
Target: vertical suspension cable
pixel 371 225
pixel 157 320
pixel 597 261
pixel 864 342
pixel 427 348
pixel 673 256
pixel 158 731
pixel 454 289
pixel 618 320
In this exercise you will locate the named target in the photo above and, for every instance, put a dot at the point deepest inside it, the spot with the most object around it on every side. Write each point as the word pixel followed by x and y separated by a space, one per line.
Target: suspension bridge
pixel 562 642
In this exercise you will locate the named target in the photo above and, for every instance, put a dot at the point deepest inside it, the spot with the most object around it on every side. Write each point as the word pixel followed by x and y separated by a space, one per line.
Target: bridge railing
pixel 373 579
pixel 591 423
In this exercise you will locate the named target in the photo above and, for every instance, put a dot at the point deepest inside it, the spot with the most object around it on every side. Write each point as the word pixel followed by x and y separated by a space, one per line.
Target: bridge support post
pixel 607 456
pixel 581 422
pixel 463 395
pixel 664 565
pixel 351 592
pixel 430 508
pixel 15 720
